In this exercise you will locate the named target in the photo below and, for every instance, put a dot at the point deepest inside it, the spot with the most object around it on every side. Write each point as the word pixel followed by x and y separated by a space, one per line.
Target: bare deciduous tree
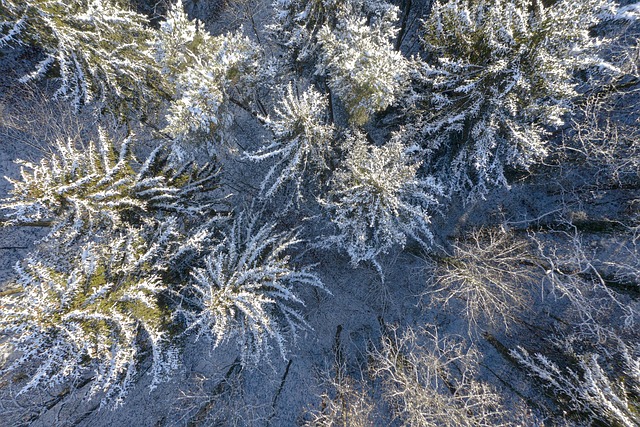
pixel 430 380
pixel 492 273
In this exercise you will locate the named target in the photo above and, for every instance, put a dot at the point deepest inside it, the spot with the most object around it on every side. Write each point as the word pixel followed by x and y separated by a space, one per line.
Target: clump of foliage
pixel 97 49
pixel 376 200
pixel 246 290
pixel 497 75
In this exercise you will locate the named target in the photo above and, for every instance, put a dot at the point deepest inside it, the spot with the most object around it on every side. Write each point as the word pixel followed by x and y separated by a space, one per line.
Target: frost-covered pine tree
pixel 101 187
pixel 351 43
pixel 97 49
pixel 246 291
pixel 201 70
pixel 363 68
pixel 125 235
pixel 497 75
pixel 297 22
pixel 90 312
pixel 302 144
pixel 376 200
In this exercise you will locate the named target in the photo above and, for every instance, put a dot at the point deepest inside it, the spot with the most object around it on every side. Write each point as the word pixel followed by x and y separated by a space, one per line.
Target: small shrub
pixel 430 380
